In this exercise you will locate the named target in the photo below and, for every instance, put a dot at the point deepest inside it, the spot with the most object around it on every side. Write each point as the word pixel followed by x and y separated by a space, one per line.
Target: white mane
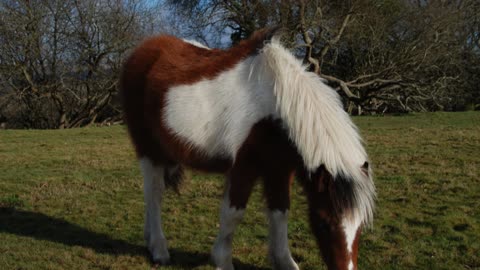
pixel 317 123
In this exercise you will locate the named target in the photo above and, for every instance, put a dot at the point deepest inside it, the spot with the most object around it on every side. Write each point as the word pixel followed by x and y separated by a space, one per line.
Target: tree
pixel 60 60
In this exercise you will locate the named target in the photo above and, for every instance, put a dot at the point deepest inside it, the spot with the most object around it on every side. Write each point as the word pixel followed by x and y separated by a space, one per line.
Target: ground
pixel 72 199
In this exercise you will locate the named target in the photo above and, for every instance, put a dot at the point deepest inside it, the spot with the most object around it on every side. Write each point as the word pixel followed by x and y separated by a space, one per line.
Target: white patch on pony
pixel 318 125
pixel 350 265
pixel 278 247
pixel 196 43
pixel 216 115
pixel 350 228
pixel 230 217
pixel 153 187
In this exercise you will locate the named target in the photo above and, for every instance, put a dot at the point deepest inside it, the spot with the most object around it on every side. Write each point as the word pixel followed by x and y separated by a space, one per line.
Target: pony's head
pixel 338 209
pixel 335 171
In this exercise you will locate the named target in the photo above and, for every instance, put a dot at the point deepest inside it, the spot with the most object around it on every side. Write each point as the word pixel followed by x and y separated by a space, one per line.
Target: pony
pixel 251 112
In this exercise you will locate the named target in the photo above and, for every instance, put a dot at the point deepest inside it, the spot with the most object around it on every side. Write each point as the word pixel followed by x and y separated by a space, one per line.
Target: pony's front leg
pixel 154 186
pixel 237 192
pixel 277 193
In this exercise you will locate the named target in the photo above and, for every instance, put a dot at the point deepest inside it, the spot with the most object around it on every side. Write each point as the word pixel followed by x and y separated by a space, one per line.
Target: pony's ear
pixel 257 40
pixel 273 31
pixel 265 35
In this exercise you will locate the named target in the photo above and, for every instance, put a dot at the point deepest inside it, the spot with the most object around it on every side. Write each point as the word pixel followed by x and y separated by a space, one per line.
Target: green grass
pixel 72 199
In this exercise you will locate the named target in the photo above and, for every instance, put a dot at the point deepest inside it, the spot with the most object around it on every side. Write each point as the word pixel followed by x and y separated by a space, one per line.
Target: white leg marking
pixel 153 188
pixel 230 217
pixel 278 246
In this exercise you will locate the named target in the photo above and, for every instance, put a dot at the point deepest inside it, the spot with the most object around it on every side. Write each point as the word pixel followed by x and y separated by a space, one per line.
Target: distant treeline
pixel 60 59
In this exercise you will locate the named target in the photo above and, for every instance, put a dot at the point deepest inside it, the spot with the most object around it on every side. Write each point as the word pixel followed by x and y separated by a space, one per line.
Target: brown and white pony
pixel 250 112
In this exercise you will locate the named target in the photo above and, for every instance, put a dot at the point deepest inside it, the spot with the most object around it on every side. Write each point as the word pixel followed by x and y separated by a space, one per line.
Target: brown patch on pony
pixel 241 179
pixel 267 153
pixel 152 69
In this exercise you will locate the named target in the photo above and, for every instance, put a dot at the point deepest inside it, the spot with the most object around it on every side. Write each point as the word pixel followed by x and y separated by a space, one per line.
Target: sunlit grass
pixel 72 199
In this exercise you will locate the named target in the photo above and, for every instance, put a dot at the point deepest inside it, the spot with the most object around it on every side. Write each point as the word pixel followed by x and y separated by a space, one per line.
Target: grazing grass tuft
pixel 72 199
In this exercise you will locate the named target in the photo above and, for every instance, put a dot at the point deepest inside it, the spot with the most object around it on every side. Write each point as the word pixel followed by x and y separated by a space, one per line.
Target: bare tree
pixel 59 60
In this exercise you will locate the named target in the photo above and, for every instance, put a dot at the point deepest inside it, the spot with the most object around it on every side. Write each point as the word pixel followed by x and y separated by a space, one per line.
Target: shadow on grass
pixel 43 227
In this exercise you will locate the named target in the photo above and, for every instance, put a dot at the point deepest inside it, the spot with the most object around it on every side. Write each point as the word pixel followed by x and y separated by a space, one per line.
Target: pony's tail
pixel 320 128
pixel 174 177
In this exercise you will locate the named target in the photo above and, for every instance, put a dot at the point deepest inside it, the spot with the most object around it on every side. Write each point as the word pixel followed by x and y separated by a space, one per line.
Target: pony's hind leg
pixel 154 186
pixel 277 193
pixel 237 192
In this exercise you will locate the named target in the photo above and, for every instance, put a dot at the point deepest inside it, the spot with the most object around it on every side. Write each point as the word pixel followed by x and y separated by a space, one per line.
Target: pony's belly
pixel 210 165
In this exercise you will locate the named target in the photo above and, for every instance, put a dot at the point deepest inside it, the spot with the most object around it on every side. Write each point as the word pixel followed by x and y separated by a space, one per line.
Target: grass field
pixel 72 199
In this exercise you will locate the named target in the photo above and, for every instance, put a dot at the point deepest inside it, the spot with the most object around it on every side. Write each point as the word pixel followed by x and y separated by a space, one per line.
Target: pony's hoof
pixel 224 266
pixel 160 256
pixel 285 263
pixel 161 260
pixel 292 266
pixel 229 267
pixel 222 256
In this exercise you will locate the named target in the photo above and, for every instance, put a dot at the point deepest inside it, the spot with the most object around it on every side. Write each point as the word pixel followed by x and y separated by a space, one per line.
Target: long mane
pixel 318 125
